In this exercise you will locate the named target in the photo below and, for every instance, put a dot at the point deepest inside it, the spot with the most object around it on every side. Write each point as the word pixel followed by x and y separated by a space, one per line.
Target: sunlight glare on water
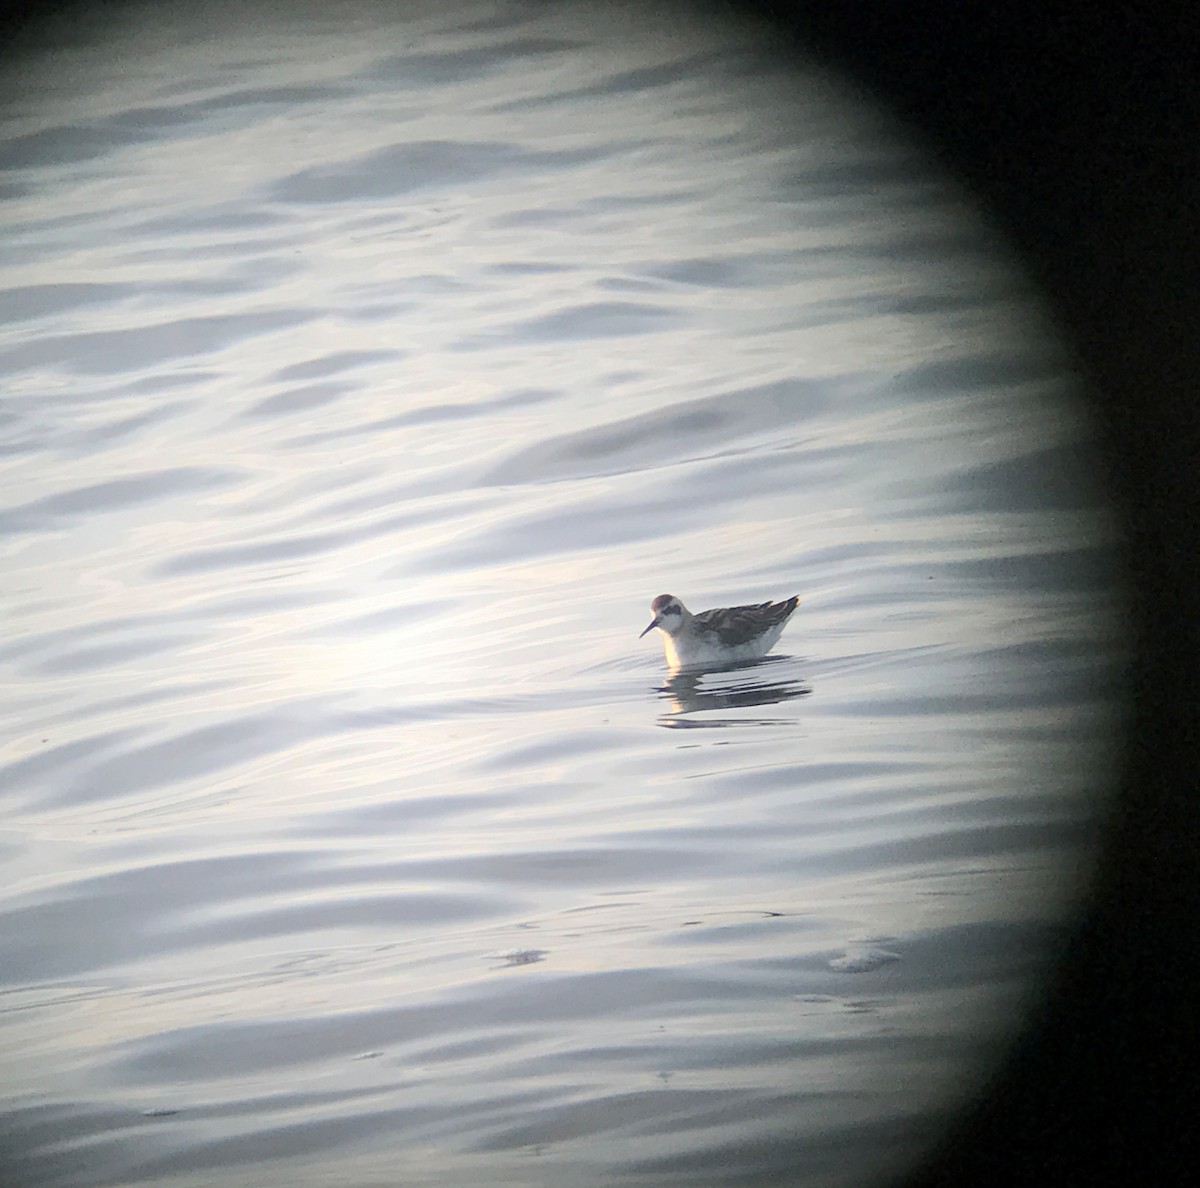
pixel 367 373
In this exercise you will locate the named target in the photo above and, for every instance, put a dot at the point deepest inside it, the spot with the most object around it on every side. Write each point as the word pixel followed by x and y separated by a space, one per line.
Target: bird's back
pixel 737 625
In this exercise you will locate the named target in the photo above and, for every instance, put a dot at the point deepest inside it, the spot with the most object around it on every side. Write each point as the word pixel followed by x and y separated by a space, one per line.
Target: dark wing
pixel 740 624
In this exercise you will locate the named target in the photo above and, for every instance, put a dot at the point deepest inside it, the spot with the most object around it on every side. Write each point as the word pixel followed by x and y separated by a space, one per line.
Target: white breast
pixel 688 649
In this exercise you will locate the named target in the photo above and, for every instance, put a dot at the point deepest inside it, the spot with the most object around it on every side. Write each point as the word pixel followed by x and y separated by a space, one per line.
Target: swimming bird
pixel 720 636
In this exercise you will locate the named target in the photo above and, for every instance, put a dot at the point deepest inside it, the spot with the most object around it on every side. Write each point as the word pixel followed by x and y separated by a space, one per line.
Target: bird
pixel 719 636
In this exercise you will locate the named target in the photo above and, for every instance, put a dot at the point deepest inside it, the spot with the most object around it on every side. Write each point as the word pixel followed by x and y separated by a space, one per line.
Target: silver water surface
pixel 364 379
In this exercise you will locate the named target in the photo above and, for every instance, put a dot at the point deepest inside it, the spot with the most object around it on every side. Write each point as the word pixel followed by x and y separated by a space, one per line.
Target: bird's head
pixel 668 614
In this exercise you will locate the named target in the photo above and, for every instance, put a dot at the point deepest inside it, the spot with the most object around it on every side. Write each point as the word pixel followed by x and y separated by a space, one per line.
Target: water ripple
pixel 363 385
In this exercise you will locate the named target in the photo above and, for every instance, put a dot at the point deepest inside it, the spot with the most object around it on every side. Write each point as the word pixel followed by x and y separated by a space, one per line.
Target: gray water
pixel 365 375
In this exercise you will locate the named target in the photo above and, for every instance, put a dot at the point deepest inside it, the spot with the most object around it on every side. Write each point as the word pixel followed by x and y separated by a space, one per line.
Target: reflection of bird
pixel 693 690
pixel 719 636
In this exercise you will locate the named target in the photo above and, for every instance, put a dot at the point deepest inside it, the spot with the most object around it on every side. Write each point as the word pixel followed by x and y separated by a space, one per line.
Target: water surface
pixel 365 376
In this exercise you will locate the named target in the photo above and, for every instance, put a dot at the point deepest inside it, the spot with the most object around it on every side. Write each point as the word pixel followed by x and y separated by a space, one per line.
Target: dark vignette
pixel 1077 127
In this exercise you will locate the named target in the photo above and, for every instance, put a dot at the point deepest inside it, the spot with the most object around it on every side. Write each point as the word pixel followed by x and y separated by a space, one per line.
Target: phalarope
pixel 721 636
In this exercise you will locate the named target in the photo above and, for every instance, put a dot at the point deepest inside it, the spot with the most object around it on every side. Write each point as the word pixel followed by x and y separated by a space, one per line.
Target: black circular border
pixel 1077 128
